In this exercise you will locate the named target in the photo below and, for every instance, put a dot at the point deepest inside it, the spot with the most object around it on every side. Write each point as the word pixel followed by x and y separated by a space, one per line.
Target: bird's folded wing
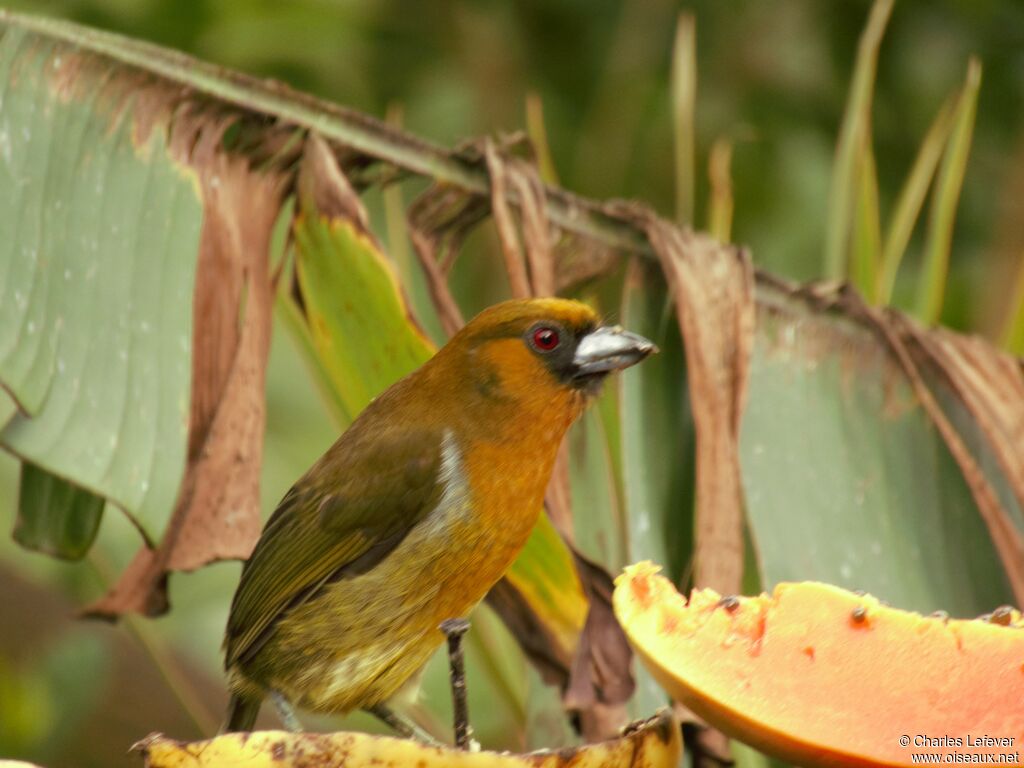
pixel 344 516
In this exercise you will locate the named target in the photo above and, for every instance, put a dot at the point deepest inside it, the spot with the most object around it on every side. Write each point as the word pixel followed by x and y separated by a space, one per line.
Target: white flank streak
pixel 452 476
pixel 453 507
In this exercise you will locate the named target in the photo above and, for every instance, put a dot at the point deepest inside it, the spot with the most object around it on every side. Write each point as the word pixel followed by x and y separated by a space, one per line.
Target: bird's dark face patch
pixel 555 344
pixel 582 357
pixel 524 349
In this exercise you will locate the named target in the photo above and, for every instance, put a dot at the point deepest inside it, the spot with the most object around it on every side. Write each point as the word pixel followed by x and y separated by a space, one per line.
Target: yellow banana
pixel 654 743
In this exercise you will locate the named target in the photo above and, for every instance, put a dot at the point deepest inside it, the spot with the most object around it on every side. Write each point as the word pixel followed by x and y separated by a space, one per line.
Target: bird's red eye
pixel 545 339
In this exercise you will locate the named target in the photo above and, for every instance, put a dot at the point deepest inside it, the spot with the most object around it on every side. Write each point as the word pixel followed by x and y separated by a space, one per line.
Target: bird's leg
pixel 286 712
pixel 401 725
pixel 454 629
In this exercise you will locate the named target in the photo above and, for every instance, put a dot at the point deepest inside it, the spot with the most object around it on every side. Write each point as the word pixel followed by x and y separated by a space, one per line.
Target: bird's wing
pixel 352 509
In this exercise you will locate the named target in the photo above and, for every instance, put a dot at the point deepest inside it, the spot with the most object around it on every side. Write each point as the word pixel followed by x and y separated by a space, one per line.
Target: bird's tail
pixel 242 711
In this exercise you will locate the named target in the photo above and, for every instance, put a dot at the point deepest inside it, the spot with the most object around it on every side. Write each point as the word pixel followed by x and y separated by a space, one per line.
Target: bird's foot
pixel 454 629
pixel 404 727
pixel 286 712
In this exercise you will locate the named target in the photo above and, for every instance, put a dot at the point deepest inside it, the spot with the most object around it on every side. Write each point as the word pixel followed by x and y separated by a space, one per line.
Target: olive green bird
pixel 414 513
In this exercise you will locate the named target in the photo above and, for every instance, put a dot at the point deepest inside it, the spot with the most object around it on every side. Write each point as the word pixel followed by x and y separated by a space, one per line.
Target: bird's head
pixel 536 351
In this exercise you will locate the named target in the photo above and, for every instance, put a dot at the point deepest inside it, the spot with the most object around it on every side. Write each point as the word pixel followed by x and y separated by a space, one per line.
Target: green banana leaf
pixel 55 516
pixel 880 503
pixel 97 266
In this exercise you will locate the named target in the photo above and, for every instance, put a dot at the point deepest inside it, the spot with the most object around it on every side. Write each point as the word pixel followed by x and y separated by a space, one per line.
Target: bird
pixel 414 513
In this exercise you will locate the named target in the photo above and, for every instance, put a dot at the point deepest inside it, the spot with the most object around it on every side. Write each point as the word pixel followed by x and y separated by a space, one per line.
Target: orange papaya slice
pixel 818 675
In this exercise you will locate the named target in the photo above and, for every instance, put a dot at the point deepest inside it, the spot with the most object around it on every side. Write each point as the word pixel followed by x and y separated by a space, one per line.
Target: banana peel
pixel 652 743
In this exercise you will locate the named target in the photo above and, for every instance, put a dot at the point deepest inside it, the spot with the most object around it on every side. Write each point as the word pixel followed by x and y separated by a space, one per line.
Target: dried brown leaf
pixel 438 221
pixel 601 670
pixel 581 260
pixel 325 185
pixel 713 288
pixel 518 279
pixel 448 311
pixel 596 680
pixel 989 383
pixel 546 655
pixel 518 179
pixel 525 178
pixel 217 514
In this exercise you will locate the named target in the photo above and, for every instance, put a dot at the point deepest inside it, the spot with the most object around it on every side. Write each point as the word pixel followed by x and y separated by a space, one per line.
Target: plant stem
pixel 153 645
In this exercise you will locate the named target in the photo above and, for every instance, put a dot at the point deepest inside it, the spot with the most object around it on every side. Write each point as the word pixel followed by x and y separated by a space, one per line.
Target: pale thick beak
pixel 610 348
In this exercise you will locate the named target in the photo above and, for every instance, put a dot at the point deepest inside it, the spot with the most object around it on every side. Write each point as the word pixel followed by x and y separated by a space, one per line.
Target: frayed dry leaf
pixel 581 260
pixel 713 288
pixel 512 175
pixel 217 515
pixel 601 681
pixel 325 190
pixel 438 220
pixel 518 279
pixel 601 669
pixel 988 385
pixel 951 372
pixel 991 385
pixel 551 658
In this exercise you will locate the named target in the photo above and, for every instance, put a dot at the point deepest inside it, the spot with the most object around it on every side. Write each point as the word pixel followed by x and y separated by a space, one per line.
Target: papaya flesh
pixel 818 675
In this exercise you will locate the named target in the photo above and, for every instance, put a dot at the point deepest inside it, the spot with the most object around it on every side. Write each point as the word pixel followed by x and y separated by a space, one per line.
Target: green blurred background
pixel 773 78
